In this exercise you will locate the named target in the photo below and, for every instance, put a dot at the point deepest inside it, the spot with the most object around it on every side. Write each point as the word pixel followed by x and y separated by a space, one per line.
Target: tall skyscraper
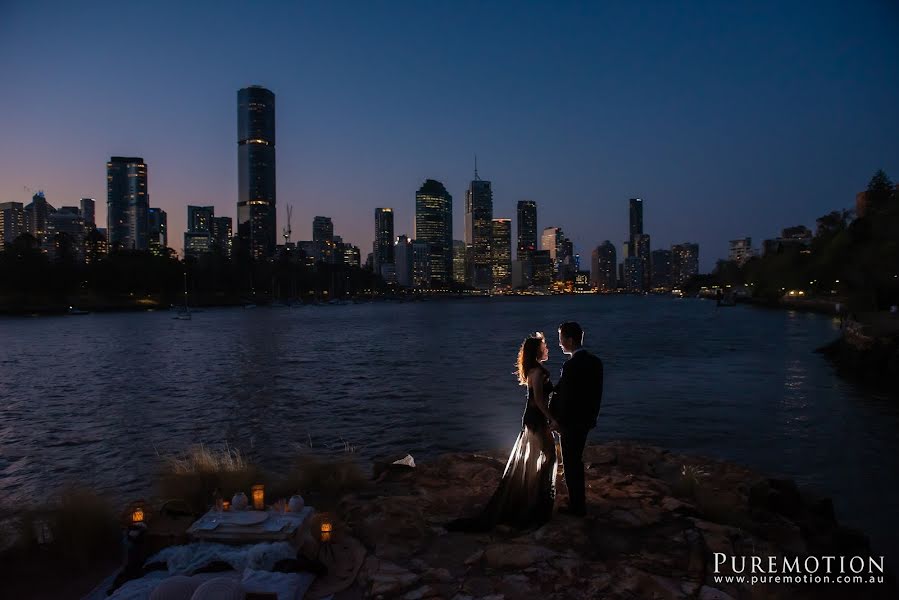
pixel 640 249
pixel 636 217
pixel 421 264
pixel 633 274
pixel 543 269
pixel 527 229
pixel 157 226
pixel 684 263
pixel 323 238
pixel 12 222
pixel 402 255
pixel 604 267
pixel 478 231
pixel 256 171
pixel 661 269
pixel 382 253
pixel 434 226
pixel 458 261
pixel 502 252
pixel 221 234
pixel 127 202
pixel 88 212
pixel 552 240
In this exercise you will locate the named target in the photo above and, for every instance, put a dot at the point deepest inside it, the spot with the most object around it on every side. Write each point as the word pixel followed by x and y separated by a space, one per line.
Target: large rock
pixel 655 521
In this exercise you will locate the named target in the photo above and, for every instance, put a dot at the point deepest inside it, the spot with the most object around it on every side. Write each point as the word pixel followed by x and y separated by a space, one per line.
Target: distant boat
pixel 77 311
pixel 184 313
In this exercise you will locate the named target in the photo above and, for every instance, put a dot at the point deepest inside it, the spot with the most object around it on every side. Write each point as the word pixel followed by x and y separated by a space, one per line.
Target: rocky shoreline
pixel 867 354
pixel 656 521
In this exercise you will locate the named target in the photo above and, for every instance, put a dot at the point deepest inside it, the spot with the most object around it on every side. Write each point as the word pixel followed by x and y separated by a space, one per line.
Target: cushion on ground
pixel 220 588
pixel 288 586
pixel 178 587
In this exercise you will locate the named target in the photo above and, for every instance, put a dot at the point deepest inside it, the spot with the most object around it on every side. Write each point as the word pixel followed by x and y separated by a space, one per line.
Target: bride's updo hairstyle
pixel 529 356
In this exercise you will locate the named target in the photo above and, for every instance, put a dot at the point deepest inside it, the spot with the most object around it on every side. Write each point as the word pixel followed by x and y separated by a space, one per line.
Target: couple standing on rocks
pixel 526 494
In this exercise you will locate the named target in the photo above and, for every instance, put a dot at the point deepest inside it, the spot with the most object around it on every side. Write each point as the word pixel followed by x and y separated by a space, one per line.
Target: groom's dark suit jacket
pixel 577 396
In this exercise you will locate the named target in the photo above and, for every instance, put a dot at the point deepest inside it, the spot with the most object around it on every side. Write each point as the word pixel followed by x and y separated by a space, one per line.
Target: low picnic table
pixel 252 526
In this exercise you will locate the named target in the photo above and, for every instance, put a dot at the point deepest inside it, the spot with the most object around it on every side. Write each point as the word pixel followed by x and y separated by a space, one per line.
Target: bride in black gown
pixel 525 495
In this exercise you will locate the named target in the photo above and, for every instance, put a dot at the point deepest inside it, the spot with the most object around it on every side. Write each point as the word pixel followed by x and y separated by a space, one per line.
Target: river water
pixel 97 398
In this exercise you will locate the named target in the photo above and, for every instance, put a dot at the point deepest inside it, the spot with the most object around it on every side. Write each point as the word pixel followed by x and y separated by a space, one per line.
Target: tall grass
pixel 82 527
pixel 200 472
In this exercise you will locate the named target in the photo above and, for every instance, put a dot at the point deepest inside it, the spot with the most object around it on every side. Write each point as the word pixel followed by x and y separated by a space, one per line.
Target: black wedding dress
pixel 526 493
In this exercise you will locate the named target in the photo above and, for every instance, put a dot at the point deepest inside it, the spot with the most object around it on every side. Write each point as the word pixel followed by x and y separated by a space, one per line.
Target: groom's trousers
pixel 573 442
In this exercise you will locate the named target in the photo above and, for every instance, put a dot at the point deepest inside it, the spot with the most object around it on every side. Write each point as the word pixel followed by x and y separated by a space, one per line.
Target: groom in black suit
pixel 574 407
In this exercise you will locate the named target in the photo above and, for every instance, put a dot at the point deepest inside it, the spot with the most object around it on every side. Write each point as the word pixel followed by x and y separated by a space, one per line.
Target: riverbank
pixel 867 351
pixel 658 526
pixel 825 306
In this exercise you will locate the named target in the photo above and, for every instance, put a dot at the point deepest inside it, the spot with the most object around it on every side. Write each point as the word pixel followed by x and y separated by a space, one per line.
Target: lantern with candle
pixel 137 514
pixel 259 497
pixel 326 529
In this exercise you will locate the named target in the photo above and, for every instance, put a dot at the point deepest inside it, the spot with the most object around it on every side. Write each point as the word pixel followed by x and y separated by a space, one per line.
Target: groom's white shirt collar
pixel 576 351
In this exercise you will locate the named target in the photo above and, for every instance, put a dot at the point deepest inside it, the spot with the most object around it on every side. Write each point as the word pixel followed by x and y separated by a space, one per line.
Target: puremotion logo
pixel 811 569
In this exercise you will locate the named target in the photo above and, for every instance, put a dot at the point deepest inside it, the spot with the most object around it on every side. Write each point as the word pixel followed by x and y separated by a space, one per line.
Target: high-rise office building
pixel 527 229
pixel 501 247
pixel 322 229
pixel 478 231
pixel 434 226
pixel 65 234
pixel 640 249
pixel 604 267
pixel 421 264
pixel 157 234
pixel 542 269
pixel 741 250
pixel 95 246
pixel 199 218
pixel 351 255
pixel 458 261
pixel 402 256
pixel 222 235
pixel 552 240
pixel 684 263
pixel 382 253
pixel 569 262
pixel 661 269
pixel 636 217
pixel 127 202
pixel 88 213
pixel 633 274
pixel 12 222
pixel 256 195
pixel 198 237
pixel 37 214
pixel 323 238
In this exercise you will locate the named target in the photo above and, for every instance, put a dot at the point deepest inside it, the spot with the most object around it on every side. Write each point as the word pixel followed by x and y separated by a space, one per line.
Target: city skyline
pixel 746 168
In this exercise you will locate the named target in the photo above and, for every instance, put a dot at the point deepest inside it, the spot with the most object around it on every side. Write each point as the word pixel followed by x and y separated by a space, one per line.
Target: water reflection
pixel 426 378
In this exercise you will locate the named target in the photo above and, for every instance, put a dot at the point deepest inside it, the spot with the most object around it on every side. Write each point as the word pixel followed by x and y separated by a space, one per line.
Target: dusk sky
pixel 729 119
